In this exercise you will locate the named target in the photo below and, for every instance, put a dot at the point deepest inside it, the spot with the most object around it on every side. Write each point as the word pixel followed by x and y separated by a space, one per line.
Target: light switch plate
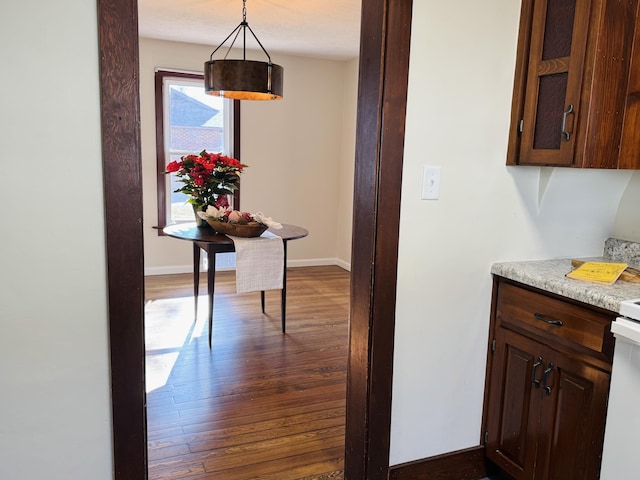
pixel 430 182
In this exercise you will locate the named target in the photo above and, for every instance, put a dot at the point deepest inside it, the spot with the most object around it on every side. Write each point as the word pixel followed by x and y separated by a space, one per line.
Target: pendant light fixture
pixel 243 79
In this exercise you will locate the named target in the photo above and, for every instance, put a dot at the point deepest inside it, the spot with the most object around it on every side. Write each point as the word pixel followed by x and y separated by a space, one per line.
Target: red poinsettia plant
pixel 207 177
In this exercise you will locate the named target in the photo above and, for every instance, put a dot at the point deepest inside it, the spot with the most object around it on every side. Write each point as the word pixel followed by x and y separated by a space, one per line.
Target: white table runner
pixel 259 262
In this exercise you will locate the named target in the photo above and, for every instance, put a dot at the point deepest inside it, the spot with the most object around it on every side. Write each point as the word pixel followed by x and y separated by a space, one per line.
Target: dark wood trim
pixel 161 160
pixel 629 144
pixel 120 115
pixel 468 464
pixel 487 374
pixel 384 64
pixel 519 81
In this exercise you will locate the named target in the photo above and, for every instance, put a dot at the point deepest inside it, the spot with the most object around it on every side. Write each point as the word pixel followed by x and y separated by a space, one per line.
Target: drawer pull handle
pixel 549 321
pixel 545 377
pixel 534 380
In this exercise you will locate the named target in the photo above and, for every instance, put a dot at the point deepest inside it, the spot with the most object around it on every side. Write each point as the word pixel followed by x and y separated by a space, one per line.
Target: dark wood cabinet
pixel 548 376
pixel 576 99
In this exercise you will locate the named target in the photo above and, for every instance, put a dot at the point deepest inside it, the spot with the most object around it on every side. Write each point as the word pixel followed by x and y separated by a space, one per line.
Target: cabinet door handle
pixel 549 321
pixel 545 378
pixel 564 132
pixel 534 380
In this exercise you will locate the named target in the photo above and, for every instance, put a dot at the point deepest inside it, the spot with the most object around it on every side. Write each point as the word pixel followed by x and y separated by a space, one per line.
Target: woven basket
pixel 253 229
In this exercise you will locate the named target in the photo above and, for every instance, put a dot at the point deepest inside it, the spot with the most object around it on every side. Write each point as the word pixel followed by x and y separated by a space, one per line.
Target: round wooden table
pixel 205 238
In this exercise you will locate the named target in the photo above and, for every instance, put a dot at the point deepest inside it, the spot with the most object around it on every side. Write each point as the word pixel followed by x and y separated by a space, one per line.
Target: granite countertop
pixel 549 275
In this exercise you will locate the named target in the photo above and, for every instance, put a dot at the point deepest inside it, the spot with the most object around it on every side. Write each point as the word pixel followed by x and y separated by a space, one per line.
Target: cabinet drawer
pixel 568 324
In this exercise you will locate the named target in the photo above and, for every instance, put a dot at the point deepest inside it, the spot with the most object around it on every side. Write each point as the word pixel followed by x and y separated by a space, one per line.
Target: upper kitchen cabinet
pixel 576 98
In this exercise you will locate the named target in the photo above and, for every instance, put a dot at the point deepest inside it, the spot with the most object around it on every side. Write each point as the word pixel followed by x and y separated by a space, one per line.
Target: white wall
pixel 627 226
pixel 299 150
pixel 55 407
pixel 346 170
pixel 461 79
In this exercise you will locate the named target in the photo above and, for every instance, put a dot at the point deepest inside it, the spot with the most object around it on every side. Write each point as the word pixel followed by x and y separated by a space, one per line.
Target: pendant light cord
pixel 244 29
pixel 242 26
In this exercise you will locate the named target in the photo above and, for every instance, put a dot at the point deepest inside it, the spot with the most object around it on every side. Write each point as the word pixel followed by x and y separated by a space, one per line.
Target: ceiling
pixel 316 28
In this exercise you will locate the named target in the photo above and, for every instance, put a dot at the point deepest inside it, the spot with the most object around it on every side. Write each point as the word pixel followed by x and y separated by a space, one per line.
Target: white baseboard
pixel 150 271
pixel 344 265
pixel 312 262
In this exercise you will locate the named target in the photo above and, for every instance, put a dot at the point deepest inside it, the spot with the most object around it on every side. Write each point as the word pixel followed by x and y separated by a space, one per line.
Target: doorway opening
pixel 383 83
pixel 187 386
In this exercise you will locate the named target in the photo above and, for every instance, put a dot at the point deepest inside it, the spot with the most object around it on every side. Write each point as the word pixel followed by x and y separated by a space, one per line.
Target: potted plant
pixel 208 178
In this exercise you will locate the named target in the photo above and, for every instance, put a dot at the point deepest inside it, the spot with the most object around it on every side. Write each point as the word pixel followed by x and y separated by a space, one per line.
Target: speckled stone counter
pixel 549 275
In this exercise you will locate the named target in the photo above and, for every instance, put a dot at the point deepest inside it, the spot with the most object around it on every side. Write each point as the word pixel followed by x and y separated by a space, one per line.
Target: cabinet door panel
pixel 571 426
pixel 513 415
pixel 552 92
pixel 552 97
pixel 557 40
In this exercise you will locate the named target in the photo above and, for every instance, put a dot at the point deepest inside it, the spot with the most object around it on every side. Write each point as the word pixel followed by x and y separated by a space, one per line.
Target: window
pixel 189 121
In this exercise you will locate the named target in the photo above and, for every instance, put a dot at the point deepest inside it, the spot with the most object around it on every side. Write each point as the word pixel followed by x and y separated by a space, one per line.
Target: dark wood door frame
pixel 383 76
pixel 120 115
pixel 382 100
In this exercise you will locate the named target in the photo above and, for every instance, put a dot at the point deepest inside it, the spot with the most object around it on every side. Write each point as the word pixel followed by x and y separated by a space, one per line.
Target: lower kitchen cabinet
pixel 547 385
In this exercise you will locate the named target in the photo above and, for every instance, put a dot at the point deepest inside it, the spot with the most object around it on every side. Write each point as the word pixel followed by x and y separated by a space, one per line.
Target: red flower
pixel 174 166
pixel 199 181
pixel 207 178
pixel 222 201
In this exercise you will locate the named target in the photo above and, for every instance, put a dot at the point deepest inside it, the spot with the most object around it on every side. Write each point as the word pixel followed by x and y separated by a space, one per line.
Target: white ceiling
pixel 316 28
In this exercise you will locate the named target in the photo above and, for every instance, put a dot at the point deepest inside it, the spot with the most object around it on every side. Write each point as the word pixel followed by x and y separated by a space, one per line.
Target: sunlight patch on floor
pixel 169 327
pixel 159 368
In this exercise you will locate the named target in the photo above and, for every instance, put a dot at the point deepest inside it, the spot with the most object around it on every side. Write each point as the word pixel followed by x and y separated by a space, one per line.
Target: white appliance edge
pixel 622 431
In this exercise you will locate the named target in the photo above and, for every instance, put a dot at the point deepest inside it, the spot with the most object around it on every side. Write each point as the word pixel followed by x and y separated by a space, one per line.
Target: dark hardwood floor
pixel 259 404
